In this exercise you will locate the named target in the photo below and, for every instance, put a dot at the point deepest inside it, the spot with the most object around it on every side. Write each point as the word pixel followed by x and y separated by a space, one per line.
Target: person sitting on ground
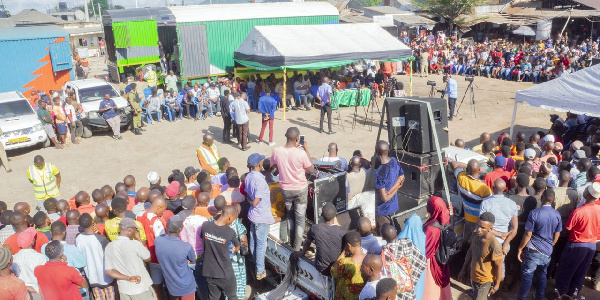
pixel 346 270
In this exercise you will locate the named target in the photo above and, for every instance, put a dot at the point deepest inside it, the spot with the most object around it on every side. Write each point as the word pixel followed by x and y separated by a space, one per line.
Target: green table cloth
pixel 348 98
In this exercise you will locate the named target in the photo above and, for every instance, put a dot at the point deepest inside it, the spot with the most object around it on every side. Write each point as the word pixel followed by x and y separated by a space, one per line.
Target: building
pixel 34 58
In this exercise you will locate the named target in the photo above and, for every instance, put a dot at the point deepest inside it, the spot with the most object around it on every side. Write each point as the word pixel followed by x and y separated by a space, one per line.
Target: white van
pixel 20 123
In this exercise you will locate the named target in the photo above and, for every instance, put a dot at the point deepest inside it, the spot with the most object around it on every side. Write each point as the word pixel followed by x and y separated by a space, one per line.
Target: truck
pixel 89 93
pixel 19 123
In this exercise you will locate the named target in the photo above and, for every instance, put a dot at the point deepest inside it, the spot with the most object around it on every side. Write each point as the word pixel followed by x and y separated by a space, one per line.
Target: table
pixel 348 98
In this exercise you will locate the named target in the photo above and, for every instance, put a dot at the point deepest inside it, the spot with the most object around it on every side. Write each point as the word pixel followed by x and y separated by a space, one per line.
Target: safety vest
pixel 44 183
pixel 210 158
pixel 151 78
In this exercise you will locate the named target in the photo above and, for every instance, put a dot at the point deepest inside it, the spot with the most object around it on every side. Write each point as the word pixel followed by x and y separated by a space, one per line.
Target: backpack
pixel 447 243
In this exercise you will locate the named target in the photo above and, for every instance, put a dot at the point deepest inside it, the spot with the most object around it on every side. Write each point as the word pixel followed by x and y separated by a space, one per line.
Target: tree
pixel 450 10
pixel 104 5
pixel 4 13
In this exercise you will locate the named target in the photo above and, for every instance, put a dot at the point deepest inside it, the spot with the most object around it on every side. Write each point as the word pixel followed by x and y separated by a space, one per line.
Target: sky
pixel 16 6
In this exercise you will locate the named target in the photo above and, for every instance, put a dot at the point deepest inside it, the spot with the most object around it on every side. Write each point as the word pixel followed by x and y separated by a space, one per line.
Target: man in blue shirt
pixel 109 109
pixel 389 177
pixel 259 214
pixel 451 91
pixel 239 110
pixel 173 255
pixel 541 233
pixel 324 95
pixel 267 106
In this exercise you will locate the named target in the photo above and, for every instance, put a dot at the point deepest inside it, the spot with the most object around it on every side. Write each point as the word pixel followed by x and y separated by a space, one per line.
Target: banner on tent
pixel 543 30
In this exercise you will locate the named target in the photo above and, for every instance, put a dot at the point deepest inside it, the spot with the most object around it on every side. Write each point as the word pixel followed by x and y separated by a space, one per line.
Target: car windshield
pixel 96 93
pixel 15 109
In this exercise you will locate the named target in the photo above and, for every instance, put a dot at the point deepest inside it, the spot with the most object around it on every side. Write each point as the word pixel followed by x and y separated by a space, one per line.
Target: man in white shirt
pixel 213 98
pixel 74 124
pixel 370 270
pixel 302 88
pixel 333 152
pixel 171 81
pixel 153 105
pixel 239 112
pixel 25 261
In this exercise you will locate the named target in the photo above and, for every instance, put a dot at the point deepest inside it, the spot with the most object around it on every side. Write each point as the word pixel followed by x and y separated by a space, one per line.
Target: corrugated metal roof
pixel 30 33
pixel 95 29
pixel 160 14
pixel 32 16
pixel 222 12
pixel 591 3
pixel 411 19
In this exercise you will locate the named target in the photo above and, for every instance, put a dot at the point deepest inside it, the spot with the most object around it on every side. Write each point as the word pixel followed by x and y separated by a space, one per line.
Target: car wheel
pixel 87 132
pixel 47 143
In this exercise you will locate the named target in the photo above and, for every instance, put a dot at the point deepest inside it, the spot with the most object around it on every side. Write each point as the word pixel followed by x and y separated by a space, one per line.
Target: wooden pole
pixel 284 92
pixel 410 78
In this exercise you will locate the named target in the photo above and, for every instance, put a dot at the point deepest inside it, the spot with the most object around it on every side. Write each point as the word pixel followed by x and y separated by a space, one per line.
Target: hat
pixel 255 158
pixel 25 238
pixel 549 138
pixel 172 189
pixel 579 154
pixel 189 171
pixel 174 224
pixel 5 256
pixel 128 223
pixel 153 177
pixel 594 189
pixel 576 145
pixel 500 161
pixel 529 153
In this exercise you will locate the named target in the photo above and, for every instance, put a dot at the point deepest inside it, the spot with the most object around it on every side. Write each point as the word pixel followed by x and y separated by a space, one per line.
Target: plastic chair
pixel 313 90
pixel 167 110
pixel 251 101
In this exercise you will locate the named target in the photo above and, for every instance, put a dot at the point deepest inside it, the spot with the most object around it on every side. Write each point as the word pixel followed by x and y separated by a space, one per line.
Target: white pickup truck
pixel 20 123
pixel 89 93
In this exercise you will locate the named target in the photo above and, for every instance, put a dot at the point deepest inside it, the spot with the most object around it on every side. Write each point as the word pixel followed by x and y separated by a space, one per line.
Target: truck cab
pixel 19 123
pixel 89 93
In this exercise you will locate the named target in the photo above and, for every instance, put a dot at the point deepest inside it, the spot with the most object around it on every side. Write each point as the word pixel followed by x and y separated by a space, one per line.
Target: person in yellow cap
pixel 46 179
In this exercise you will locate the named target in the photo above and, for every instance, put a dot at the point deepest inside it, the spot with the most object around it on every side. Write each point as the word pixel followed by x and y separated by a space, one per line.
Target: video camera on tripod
pixel 469 78
pixel 390 87
pixel 433 90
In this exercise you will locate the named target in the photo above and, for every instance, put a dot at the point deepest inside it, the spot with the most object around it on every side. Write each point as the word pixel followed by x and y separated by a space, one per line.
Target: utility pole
pixel 86 10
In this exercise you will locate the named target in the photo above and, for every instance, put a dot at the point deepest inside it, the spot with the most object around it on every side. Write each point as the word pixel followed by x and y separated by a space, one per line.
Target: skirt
pixel 432 290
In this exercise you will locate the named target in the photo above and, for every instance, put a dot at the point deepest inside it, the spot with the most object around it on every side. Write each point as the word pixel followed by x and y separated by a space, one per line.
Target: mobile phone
pixel 301 140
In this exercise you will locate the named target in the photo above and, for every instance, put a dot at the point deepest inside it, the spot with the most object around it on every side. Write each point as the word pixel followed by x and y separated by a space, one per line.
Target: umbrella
pixel 524 31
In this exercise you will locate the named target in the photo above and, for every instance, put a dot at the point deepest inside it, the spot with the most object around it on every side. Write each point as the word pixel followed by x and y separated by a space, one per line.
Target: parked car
pixel 89 93
pixel 20 123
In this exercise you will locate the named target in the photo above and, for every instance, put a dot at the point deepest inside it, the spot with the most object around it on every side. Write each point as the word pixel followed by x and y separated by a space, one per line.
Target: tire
pixel 87 132
pixel 47 143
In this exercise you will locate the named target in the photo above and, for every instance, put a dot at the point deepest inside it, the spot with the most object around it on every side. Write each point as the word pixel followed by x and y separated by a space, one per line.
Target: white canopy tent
pixel 578 93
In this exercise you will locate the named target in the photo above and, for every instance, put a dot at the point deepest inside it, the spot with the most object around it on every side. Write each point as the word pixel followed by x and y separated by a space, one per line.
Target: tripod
pixel 471 99
pixel 432 91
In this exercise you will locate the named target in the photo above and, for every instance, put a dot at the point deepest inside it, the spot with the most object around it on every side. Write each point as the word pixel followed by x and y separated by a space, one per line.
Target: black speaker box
pixel 327 188
pixel 409 127
pixel 399 219
pixel 422 173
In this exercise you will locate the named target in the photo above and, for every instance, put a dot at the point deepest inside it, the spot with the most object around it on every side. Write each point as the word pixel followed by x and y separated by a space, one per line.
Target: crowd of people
pixel 502 58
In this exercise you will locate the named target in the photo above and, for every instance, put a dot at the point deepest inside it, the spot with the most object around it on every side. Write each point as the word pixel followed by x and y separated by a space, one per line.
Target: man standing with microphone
pixel 451 91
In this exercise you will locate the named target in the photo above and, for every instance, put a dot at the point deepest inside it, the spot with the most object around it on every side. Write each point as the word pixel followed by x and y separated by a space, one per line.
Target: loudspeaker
pixel 326 188
pixel 595 61
pixel 399 219
pixel 409 127
pixel 422 173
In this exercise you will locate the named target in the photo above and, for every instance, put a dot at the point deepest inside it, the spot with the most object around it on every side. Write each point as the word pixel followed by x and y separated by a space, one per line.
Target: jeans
pixel 296 202
pixel 218 287
pixel 595 267
pixel 326 108
pixel 258 244
pixel 451 105
pixel 306 100
pixel 190 110
pixel 533 261
pixel 216 106
pixel 200 279
pixel 175 113
pixel 481 290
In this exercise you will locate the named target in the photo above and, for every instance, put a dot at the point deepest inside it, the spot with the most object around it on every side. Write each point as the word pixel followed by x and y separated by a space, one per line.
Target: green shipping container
pixel 136 42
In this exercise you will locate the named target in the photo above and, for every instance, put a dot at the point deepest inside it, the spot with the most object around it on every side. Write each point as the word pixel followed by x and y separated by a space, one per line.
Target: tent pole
pixel 514 116
pixel 284 100
pixel 410 78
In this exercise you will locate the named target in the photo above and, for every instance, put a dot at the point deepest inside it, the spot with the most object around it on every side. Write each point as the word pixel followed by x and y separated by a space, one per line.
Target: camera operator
pixel 451 91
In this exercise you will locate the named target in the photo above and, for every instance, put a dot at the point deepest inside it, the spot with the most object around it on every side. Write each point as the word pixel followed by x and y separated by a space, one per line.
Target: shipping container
pixel 208 35
pixel 34 58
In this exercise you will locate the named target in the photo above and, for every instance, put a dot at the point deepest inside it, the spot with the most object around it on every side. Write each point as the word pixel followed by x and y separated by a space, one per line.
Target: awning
pixel 412 20
pixel 317 46
pixel 524 30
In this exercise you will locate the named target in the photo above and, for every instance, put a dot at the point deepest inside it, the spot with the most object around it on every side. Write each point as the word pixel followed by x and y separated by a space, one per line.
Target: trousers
pixel 4 158
pixel 574 263
pixel 451 105
pixel 325 109
pixel 76 130
pixel 226 128
pixel 243 134
pixel 258 244
pixel 221 286
pixel 262 130
pixel 115 124
pixel 481 290
pixel 296 202
pixel 533 263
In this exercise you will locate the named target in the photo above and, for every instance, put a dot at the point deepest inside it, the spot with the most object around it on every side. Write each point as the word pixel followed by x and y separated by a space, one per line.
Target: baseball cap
pixel 594 190
pixel 189 171
pixel 128 223
pixel 579 154
pixel 172 189
pixel 529 153
pixel 153 177
pixel 255 158
pixel 174 224
pixel 25 238
pixel 500 161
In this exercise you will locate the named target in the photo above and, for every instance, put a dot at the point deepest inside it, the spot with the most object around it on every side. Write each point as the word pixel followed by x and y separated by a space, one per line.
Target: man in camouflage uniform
pixel 134 101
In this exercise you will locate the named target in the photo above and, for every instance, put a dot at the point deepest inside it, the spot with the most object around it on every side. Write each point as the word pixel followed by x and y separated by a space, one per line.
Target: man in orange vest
pixel 208 155
pixel 154 226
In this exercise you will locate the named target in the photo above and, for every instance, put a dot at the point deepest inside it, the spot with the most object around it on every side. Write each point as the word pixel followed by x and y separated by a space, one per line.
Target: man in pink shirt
pixel 293 162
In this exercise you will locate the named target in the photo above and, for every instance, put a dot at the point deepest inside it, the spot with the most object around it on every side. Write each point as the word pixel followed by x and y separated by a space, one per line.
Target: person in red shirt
pixel 11 287
pixel 82 203
pixel 20 224
pixel 56 279
pixel 498 172
pixel 584 230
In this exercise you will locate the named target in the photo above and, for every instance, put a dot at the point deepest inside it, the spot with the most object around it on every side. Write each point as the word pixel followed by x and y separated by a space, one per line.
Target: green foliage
pixel 368 3
pixel 448 9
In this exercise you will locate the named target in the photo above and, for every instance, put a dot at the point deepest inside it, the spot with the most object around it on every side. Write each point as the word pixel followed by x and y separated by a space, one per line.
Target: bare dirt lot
pixel 166 146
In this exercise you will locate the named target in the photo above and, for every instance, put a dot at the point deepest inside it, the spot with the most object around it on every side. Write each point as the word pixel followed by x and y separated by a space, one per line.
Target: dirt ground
pixel 166 146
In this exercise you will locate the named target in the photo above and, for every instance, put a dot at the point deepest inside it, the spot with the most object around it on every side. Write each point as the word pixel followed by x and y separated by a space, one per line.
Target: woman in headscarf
pixel 413 231
pixel 437 277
